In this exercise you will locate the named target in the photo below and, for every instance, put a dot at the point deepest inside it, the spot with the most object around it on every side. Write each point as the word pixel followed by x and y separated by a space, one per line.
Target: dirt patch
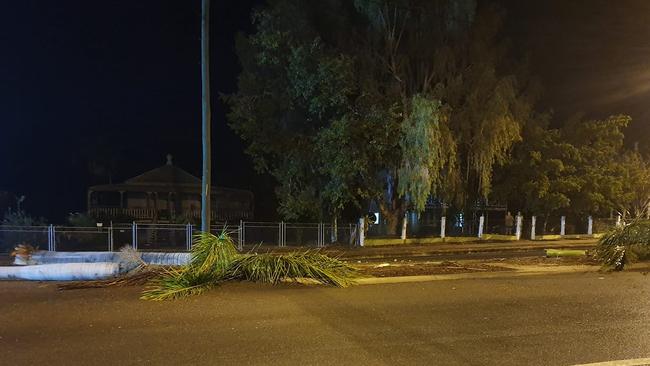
pixel 557 261
pixel 427 268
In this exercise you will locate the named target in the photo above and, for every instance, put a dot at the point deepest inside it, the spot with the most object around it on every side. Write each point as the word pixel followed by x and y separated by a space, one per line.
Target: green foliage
pixel 633 173
pixel 581 169
pixel 333 94
pixel 539 179
pixel 625 245
pixel 599 145
pixel 212 254
pixel 215 260
pixel 78 219
pixel 427 149
pixel 271 268
pixel 20 218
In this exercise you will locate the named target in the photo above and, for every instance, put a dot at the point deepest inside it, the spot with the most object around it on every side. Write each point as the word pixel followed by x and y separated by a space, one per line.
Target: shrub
pixel 77 219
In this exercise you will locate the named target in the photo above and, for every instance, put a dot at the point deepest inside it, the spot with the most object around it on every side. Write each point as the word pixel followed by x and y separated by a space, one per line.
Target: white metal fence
pixel 247 234
pixel 172 237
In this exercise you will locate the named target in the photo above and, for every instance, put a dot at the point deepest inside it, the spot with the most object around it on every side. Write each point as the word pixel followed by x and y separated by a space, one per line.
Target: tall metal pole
pixel 205 84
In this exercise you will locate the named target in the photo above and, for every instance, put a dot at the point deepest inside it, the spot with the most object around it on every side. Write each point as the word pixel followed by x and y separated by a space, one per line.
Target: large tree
pixel 579 169
pixel 392 101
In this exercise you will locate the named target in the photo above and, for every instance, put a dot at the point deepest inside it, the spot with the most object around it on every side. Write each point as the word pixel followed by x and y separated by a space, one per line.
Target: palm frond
pixel 139 276
pixel 215 259
pixel 272 268
pixel 212 252
pixel 624 245
pixel 177 283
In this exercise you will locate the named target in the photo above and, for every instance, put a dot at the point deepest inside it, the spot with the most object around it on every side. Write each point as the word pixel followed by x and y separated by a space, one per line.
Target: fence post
pixel 53 238
pixel 320 235
pixel 520 220
pixel 404 225
pixel 110 237
pixel 590 226
pixel 618 220
pixel 481 220
pixel 533 220
pixel 562 225
pixel 50 241
pixel 362 227
pixel 240 245
pixel 443 224
pixel 188 237
pixel 280 234
pixel 134 235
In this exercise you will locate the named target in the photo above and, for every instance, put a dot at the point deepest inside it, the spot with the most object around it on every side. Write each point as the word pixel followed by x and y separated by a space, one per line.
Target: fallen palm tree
pixel 624 245
pixel 60 272
pixel 215 260
pixel 23 256
pixel 134 271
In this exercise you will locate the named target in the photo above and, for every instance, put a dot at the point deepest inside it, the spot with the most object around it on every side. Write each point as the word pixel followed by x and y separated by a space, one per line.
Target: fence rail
pixel 250 234
pixel 172 237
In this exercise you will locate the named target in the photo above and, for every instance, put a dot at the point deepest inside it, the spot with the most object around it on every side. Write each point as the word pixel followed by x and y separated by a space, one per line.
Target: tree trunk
pixel 334 236
pixel 393 214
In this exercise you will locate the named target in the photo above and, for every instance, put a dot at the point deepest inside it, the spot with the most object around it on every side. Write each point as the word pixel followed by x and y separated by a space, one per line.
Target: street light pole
pixel 205 91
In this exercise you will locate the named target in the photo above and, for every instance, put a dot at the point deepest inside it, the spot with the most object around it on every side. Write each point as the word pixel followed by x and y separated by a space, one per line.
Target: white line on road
pixel 635 362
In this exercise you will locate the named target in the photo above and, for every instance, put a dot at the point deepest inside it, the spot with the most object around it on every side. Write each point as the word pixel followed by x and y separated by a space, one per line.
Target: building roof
pixel 166 178
pixel 166 174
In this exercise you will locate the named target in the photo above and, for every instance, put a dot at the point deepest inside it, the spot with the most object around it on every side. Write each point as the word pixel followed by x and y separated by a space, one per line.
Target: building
pixel 167 194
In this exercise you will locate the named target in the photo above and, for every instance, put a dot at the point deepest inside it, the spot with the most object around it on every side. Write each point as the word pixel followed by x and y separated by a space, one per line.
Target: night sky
pixel 119 82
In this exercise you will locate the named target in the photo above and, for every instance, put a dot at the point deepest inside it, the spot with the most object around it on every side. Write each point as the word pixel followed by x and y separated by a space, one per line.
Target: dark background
pixel 118 83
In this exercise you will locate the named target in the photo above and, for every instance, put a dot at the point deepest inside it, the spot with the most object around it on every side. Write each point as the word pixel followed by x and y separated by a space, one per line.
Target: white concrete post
pixel 361 232
pixel 590 226
pixel 443 223
pixel 618 220
pixel 533 220
pixel 563 225
pixel 481 220
pixel 518 227
pixel 404 225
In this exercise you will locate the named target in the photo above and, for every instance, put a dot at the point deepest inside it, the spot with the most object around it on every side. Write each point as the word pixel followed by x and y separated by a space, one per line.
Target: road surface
pixel 541 320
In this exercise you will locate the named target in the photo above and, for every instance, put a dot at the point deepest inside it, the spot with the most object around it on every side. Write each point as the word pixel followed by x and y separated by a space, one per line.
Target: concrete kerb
pixel 520 271
pixel 432 250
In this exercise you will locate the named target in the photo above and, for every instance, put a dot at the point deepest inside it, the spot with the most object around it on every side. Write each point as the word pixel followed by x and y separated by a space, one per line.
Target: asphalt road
pixel 540 320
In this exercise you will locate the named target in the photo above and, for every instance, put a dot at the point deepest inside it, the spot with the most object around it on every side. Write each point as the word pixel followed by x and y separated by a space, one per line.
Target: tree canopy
pixel 580 169
pixel 392 101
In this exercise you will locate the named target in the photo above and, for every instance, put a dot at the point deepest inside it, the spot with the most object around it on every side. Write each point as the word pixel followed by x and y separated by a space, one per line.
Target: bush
pixel 10 237
pixel 624 245
pixel 77 219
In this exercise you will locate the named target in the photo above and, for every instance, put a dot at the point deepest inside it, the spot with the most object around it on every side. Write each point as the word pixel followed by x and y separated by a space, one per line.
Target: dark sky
pixel 83 80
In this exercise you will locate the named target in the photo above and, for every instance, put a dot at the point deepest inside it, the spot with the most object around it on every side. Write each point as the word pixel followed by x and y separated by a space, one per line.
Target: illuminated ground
pixel 540 320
